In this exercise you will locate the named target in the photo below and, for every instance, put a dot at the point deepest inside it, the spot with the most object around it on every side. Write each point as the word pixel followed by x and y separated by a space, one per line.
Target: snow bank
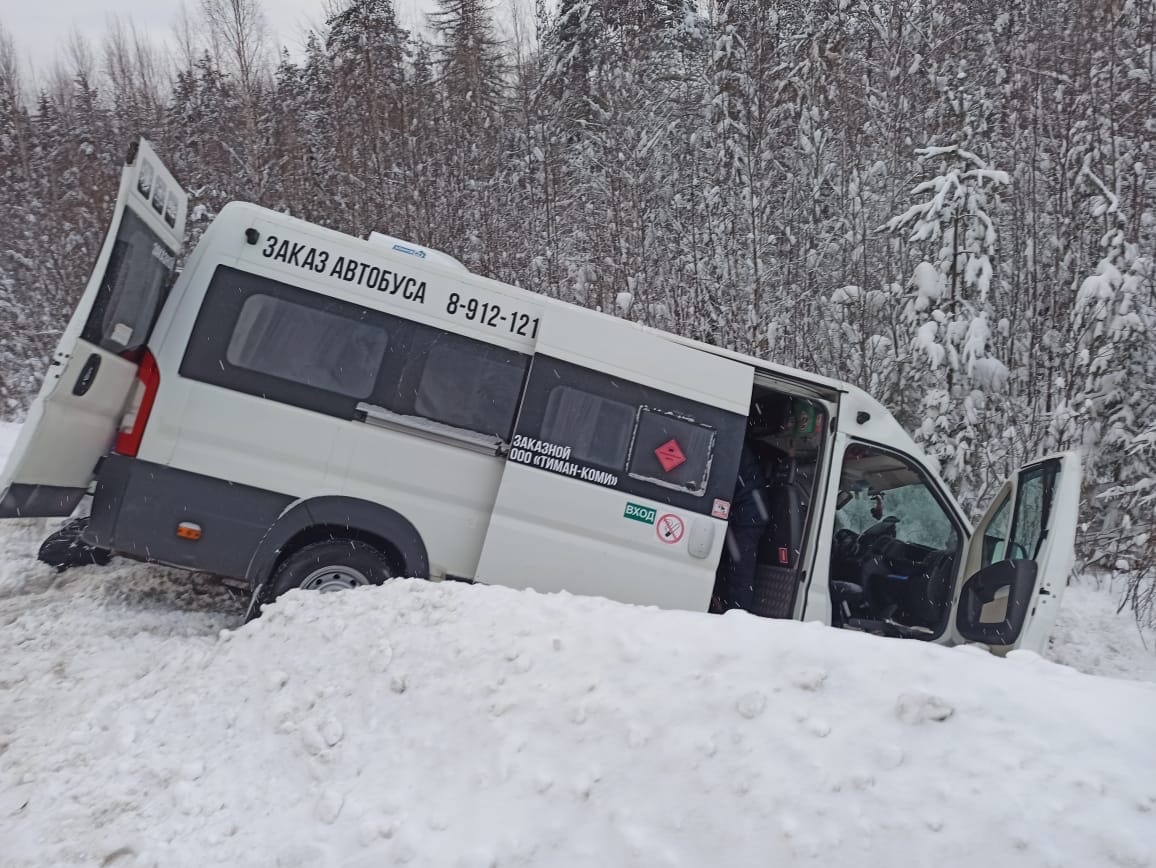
pixel 431 724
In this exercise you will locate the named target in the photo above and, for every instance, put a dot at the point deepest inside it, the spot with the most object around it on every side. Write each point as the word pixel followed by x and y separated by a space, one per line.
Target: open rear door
pixel 74 419
pixel 622 465
pixel 1020 556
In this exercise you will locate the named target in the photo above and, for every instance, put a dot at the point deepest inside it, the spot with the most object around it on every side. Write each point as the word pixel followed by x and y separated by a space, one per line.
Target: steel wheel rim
pixel 332 578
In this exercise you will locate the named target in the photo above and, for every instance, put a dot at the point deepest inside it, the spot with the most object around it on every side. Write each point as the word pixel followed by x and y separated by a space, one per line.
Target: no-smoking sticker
pixel 669 528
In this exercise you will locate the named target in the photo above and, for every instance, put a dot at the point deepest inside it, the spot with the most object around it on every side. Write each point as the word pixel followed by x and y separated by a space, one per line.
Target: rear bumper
pixel 39 501
pixel 138 506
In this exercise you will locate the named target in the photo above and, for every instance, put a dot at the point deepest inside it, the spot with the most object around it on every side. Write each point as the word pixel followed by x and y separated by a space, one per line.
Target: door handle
pixel 701 538
pixel 87 375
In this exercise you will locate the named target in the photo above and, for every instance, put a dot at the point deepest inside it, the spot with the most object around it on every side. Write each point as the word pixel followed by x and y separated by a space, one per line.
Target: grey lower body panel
pixel 39 501
pixel 138 506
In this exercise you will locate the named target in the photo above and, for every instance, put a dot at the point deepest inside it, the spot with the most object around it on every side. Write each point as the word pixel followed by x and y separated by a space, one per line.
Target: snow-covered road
pixel 443 725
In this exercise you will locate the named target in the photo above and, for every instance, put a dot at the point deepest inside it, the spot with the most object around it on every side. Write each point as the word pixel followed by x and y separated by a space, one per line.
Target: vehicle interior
pixel 895 548
pixel 785 433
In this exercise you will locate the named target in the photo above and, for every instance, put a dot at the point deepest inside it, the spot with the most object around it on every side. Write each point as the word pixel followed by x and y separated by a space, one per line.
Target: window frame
pixel 1048 473
pixel 633 451
pixel 729 429
pixel 962 527
pixel 396 381
pixel 94 330
pixel 245 348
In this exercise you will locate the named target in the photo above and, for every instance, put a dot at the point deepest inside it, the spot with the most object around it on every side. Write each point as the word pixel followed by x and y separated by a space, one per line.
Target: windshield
pixel 877 486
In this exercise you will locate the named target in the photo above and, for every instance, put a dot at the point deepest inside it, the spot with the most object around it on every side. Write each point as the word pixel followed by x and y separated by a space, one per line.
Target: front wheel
pixel 332 565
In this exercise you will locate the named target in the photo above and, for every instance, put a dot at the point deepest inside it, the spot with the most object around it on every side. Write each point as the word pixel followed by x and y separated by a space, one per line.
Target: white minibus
pixel 298 408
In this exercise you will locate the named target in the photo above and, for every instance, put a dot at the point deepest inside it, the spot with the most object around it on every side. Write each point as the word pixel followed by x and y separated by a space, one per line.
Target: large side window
pixel 470 385
pixel 283 343
pixel 597 429
pixel 1020 536
pixel 613 432
pixel 336 352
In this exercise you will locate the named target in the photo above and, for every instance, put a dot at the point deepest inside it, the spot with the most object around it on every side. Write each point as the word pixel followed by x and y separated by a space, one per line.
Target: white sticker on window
pixel 121 334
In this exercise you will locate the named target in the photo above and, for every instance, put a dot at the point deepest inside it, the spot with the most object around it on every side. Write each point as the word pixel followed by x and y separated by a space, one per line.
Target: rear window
pixel 330 351
pixel 135 285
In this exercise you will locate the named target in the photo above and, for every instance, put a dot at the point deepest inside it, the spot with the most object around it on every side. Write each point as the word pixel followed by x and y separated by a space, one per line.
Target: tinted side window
pixel 616 433
pixel 335 352
pixel 671 451
pixel 995 546
pixel 275 341
pixel 471 385
pixel 597 429
pixel 135 285
pixel 283 343
pixel 1033 508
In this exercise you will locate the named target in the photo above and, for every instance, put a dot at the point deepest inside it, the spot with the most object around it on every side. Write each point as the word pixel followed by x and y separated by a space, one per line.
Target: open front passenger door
pixel 74 419
pixel 1020 556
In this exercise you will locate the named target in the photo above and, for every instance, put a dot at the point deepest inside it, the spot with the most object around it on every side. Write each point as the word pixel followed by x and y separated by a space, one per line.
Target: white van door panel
pixel 815 602
pixel 217 435
pixel 535 540
pixel 596 507
pixel 75 416
pixel 1019 558
pixel 445 491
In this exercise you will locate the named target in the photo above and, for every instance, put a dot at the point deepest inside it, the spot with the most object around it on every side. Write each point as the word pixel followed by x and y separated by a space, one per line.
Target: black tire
pixel 66 548
pixel 330 566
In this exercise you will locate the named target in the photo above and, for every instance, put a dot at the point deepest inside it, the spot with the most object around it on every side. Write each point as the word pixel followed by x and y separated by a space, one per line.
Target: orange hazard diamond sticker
pixel 670 455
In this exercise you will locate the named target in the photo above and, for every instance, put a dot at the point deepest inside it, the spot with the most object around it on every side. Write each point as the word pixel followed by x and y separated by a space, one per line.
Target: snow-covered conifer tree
pixel 949 307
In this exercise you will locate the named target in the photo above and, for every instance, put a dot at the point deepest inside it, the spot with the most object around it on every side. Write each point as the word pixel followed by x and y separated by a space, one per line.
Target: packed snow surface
pixel 431 724
pixel 1092 635
pixel 444 725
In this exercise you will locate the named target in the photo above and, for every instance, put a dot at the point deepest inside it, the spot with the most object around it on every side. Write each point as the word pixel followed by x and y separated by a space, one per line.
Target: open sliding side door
pixel 622 465
pixel 74 419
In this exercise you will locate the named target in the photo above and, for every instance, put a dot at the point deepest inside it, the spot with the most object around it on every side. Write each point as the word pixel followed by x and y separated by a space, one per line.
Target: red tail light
pixel 132 427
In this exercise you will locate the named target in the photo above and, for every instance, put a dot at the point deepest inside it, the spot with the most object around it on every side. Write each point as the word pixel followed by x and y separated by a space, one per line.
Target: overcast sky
pixel 40 28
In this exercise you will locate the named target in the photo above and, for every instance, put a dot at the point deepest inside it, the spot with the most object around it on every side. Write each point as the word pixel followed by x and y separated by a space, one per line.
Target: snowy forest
pixel 949 203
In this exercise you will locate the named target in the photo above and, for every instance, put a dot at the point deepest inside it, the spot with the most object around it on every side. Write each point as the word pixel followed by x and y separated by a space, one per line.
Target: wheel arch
pixel 339 517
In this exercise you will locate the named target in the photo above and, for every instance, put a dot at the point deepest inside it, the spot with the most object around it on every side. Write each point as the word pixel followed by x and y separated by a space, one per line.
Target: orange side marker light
pixel 188 530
